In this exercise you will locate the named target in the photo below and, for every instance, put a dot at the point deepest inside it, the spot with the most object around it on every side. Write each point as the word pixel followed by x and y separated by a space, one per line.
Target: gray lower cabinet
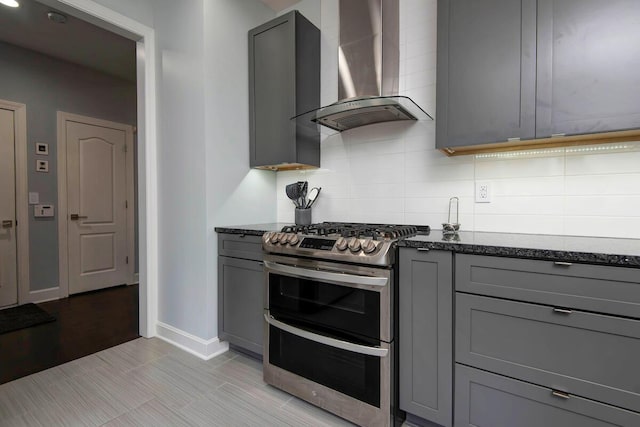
pixel 240 298
pixel 426 332
pixel 580 353
pixel 486 399
pixel 597 288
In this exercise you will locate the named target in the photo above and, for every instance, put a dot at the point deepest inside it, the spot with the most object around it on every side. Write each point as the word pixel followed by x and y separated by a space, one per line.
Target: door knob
pixel 7 223
pixel 75 217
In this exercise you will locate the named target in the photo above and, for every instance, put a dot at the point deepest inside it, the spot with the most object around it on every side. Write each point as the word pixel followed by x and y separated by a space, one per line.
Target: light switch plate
pixel 34 198
pixel 43 211
pixel 42 148
pixel 42 166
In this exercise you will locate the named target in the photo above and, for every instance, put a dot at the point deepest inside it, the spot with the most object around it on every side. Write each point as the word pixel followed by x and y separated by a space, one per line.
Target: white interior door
pixel 8 248
pixel 96 206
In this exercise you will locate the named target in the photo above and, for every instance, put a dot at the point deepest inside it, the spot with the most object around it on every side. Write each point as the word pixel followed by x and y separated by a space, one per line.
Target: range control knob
pixel 354 244
pixel 341 244
pixel 274 238
pixel 267 236
pixel 284 239
pixel 369 246
pixel 293 240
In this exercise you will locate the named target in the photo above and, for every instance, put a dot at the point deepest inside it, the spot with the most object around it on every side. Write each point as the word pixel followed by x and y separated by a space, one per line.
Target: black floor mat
pixel 24 316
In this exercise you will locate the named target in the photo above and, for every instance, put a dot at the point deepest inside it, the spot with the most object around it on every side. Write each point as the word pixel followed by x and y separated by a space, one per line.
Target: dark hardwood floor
pixel 85 324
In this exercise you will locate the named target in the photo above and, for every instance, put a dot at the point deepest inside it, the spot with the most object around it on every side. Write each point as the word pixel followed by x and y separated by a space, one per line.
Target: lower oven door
pixel 349 379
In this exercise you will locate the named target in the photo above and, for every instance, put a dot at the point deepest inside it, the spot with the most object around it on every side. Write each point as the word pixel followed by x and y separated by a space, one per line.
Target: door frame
pixel 22 196
pixel 63 229
pixel 146 65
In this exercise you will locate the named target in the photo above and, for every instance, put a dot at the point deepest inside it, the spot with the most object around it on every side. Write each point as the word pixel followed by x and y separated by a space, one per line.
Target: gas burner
pixel 358 230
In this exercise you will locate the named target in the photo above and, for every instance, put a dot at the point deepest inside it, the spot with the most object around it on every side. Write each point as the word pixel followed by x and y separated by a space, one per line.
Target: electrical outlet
pixel 483 192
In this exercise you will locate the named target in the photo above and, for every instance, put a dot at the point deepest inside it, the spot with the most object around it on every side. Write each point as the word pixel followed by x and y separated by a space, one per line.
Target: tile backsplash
pixel 392 173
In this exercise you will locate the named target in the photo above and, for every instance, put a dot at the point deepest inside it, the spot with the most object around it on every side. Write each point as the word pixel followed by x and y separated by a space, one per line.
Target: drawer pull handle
pixel 560 394
pixel 562 311
pixel 423 249
pixel 564 264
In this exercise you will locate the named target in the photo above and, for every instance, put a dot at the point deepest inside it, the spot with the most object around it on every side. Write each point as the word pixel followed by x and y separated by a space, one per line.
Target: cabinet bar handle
pixel 562 263
pixel 423 249
pixel 558 135
pixel 562 311
pixel 560 394
pixel 513 139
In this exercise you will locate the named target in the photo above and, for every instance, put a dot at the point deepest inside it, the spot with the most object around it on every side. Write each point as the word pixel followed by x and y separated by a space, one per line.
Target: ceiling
pixel 75 41
pixel 279 5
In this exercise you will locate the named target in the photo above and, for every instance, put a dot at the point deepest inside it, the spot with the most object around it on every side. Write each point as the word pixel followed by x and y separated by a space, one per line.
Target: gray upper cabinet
pixel 532 69
pixel 284 80
pixel 426 334
pixel 486 71
pixel 588 66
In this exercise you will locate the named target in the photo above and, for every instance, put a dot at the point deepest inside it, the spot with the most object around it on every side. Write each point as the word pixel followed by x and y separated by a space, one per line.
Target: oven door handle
pixel 344 345
pixel 327 275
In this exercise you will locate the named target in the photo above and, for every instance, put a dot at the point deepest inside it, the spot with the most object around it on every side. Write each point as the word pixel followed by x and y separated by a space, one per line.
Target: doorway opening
pixel 144 39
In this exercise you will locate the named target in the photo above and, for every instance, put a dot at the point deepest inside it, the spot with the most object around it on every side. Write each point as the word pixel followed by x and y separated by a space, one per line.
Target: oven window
pixel 353 310
pixel 354 374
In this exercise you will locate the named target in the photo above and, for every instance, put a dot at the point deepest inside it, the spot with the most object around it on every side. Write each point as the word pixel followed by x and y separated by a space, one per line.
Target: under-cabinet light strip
pixel 514 154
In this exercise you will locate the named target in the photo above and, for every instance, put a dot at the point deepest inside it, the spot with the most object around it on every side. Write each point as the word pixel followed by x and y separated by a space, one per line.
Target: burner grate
pixel 360 230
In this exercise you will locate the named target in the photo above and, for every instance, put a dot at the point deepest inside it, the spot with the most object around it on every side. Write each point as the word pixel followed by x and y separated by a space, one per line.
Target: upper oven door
pixel 347 300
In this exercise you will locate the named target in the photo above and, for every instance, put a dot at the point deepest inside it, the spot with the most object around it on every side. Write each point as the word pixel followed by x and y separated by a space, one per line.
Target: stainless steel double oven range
pixel 330 317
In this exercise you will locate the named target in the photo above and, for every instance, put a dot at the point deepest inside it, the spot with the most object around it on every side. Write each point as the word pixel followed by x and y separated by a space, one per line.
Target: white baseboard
pixel 43 295
pixel 204 349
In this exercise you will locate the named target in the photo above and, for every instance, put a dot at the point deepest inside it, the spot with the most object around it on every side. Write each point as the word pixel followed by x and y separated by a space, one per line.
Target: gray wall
pixel 203 158
pixel 47 85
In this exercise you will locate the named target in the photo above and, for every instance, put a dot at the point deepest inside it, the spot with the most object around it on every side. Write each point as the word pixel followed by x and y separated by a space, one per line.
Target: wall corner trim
pixel 204 349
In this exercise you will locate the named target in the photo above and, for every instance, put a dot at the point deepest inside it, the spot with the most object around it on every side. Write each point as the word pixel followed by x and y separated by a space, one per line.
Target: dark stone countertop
pixel 590 250
pixel 253 229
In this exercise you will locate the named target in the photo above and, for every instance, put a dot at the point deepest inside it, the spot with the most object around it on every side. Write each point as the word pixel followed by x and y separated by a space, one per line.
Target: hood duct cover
pixel 368 70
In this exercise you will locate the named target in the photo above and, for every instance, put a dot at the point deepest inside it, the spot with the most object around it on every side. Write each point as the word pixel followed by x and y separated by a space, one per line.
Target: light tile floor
pixel 147 382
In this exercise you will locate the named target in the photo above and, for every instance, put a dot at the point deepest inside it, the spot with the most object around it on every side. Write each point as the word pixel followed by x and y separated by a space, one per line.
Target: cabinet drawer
pixel 485 399
pixel 590 355
pixel 604 289
pixel 240 246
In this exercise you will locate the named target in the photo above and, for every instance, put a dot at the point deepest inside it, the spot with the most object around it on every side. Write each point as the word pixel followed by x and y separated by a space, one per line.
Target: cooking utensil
pixel 452 227
pixel 293 193
pixel 302 194
pixel 313 195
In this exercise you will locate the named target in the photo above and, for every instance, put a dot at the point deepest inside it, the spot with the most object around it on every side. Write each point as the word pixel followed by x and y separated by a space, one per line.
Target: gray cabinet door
pixel 486 71
pixel 588 66
pixel 272 96
pixel 485 399
pixel 284 80
pixel 586 354
pixel 598 288
pixel 240 302
pixel 426 334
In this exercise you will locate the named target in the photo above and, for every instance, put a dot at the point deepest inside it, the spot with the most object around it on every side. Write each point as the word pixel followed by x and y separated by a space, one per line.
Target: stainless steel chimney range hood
pixel 368 70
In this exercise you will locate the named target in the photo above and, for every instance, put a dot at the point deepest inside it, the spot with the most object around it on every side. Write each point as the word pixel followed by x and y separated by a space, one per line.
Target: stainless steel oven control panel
pixel 346 249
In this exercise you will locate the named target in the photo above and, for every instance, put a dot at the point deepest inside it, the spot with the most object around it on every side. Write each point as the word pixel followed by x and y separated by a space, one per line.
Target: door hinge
pixel 126 149
pixel 126 204
pixel 127 260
